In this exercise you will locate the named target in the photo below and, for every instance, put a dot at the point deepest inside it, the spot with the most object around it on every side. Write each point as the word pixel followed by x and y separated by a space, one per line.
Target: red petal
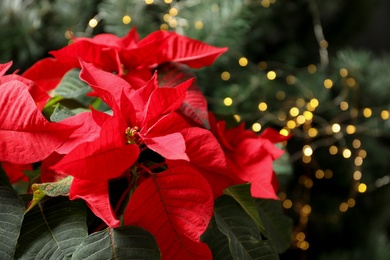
pixel 274 136
pixel 95 193
pixel 168 124
pixel 15 171
pixel 207 156
pixel 131 39
pixel 25 135
pixel 171 146
pixel 172 47
pixel 99 117
pixel 47 73
pixel 176 207
pixel 110 40
pixel 102 57
pixel 139 100
pixel 252 162
pixel 88 131
pixel 195 107
pixel 137 78
pixel 100 79
pixel 4 67
pixel 164 137
pixel 165 100
pixel 40 96
pixel 104 158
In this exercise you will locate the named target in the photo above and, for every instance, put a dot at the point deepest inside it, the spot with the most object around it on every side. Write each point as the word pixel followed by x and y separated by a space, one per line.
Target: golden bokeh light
pixel 356 143
pixel 343 72
pixel 294 111
pixel 320 174
pixel 271 75
pixel 243 61
pixel 93 23
pixel 347 153
pixel 256 127
pixel 328 83
pixel 344 105
pixel 198 24
pixel 312 132
pixel 362 188
pixel 262 106
pixel 126 19
pixel 225 75
pixel 385 114
pixel 284 132
pixel 350 129
pixel 173 11
pixel 333 150
pixel 336 128
pixel 367 112
pixel 287 204
pixel 228 101
pixel 357 175
pixel 307 150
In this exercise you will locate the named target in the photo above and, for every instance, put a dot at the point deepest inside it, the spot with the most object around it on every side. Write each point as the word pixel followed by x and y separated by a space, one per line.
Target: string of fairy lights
pixel 300 119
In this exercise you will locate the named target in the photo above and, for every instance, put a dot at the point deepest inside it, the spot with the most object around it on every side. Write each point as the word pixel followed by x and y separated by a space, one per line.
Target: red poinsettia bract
pixel 128 57
pixel 249 156
pixel 26 136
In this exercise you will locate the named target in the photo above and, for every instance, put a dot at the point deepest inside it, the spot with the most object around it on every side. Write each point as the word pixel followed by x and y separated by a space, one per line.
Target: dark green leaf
pixel 244 237
pixel 53 230
pixel 242 194
pixel 277 225
pixel 11 217
pixel 119 243
pixel 217 242
pixel 71 86
pixel 60 112
pixel 4 180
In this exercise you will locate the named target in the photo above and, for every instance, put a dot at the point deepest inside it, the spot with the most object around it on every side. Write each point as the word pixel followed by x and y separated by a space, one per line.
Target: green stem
pixel 53 101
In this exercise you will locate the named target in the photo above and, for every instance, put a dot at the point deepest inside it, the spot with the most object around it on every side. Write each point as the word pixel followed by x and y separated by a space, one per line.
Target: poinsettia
pixel 144 152
pixel 128 57
pixel 250 157
pixel 144 118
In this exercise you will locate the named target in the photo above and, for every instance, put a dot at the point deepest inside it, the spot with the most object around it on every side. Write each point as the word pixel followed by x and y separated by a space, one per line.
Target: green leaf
pixel 4 180
pixel 277 225
pixel 11 217
pixel 52 189
pixel 71 86
pixel 119 243
pixel 53 230
pixel 217 242
pixel 242 194
pixel 244 237
pixel 60 112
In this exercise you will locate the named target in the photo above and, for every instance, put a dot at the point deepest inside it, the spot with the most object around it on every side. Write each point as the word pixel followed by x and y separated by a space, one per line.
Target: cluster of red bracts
pixel 198 156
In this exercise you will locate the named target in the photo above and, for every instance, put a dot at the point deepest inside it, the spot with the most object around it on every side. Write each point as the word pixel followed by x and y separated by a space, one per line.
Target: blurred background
pixel 317 69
